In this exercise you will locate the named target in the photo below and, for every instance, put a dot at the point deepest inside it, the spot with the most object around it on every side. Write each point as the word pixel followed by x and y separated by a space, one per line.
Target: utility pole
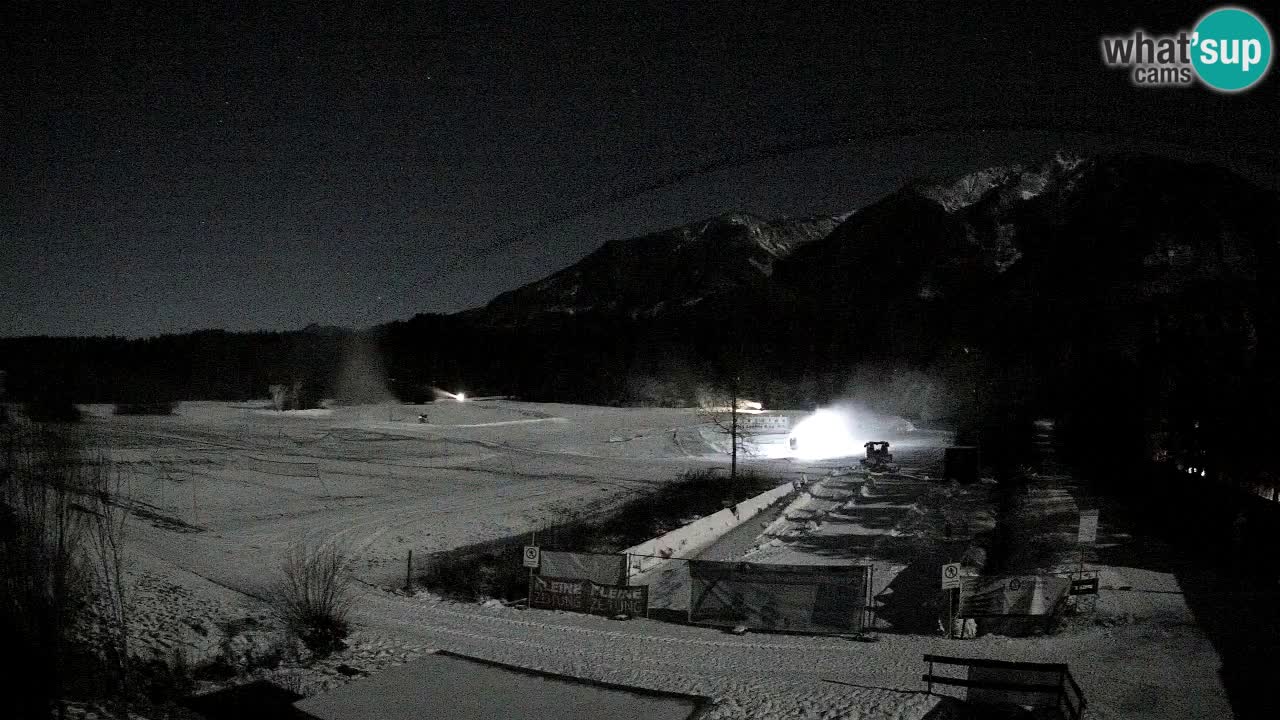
pixel 733 431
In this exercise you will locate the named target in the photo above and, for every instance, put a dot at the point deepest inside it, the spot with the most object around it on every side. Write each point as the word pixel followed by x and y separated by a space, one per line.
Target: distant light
pixel 1201 473
pixel 461 397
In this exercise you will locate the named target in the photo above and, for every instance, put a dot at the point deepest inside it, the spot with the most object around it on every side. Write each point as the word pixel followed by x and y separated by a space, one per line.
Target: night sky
pixel 181 169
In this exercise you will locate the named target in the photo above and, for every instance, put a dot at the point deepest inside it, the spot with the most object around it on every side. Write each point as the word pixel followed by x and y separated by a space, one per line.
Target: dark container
pixel 960 464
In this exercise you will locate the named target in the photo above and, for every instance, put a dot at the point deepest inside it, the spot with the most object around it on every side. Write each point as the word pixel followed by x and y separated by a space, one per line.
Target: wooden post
pixel 408 574
pixel 1062 691
pixel 950 621
pixel 733 435
pixel 951 593
pixel 1080 576
pixel 870 575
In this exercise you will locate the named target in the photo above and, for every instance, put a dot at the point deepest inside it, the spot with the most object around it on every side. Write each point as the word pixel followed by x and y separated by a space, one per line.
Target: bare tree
pixel 63 537
pixel 43 575
pixel 724 410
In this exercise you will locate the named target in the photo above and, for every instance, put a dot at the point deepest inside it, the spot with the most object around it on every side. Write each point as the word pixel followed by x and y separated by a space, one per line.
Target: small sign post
pixel 950 581
pixel 951 576
pixel 1087 533
pixel 531 556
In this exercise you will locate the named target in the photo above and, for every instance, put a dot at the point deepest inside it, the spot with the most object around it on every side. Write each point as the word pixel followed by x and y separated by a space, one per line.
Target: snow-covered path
pixel 750 677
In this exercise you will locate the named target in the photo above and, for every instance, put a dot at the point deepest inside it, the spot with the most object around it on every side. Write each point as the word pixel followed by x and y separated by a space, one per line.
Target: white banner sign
pixel 1088 527
pixel 765 423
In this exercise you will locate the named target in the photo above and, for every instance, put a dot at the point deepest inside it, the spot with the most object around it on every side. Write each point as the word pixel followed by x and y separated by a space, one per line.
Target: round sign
pixel 531 553
pixel 952 571
pixel 1015 584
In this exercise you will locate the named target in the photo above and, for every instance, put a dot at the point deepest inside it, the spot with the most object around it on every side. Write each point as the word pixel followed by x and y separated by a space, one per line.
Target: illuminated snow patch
pixel 825 434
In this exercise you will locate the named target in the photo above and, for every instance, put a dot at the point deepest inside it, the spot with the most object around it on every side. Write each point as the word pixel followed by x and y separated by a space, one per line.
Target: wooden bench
pixel 1050 679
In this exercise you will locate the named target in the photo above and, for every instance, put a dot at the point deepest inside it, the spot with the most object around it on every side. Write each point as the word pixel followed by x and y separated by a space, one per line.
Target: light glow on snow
pixel 827 433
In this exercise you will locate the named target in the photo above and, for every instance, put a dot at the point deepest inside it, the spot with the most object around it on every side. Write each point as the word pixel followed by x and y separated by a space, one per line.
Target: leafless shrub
pixel 44 576
pixel 106 493
pixel 291 681
pixel 294 395
pixel 165 678
pixel 314 596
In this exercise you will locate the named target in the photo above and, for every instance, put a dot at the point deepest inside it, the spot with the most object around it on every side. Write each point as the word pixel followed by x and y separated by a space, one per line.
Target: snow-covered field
pixel 220 491
pixel 223 489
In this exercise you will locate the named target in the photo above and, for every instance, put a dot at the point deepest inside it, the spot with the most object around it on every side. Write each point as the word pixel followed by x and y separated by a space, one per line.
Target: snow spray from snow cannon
pixel 827 433
pixel 446 395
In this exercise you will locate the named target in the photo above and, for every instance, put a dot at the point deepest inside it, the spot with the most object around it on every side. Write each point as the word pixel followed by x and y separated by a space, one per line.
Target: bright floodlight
pixel 824 434
pixel 461 397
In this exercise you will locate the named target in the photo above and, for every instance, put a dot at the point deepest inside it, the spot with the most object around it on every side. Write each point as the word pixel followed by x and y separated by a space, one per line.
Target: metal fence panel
pixel 596 567
pixel 1011 595
pixel 799 598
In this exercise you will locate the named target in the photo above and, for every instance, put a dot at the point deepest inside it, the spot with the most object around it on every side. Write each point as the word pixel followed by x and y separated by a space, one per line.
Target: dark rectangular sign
pixel 1086 586
pixel 613 600
pixel 553 593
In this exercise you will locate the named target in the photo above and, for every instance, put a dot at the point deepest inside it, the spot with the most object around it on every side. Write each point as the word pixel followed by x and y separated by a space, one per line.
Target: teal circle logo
pixel 1231 49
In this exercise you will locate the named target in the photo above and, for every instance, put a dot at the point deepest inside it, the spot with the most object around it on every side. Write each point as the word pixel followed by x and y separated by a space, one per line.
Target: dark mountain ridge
pixel 730 253
pixel 1127 294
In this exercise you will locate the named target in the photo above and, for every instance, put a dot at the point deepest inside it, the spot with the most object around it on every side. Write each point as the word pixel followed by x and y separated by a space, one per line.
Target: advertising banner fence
pixel 600 568
pixel 799 598
pixel 553 593
pixel 765 423
pixel 1011 595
